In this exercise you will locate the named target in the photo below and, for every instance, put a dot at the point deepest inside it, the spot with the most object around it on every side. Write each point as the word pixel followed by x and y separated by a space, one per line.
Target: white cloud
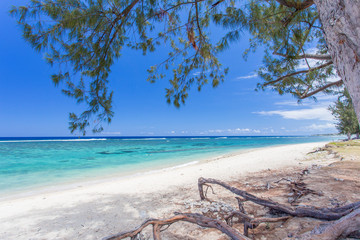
pixel 234 131
pixel 241 130
pixel 287 103
pixel 321 126
pixel 333 78
pixel 216 131
pixel 323 97
pixel 305 110
pixel 314 63
pixel 322 101
pixel 319 113
pixel 252 75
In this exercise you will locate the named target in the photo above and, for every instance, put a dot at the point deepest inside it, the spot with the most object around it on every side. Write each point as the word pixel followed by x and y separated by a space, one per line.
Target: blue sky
pixel 30 104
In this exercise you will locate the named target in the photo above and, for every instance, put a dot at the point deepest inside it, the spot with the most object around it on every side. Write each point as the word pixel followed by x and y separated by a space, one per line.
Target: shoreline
pixel 119 176
pixel 92 210
pixel 91 161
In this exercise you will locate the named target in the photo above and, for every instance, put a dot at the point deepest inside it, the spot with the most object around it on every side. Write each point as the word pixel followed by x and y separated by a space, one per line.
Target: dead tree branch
pixel 318 213
pixel 195 218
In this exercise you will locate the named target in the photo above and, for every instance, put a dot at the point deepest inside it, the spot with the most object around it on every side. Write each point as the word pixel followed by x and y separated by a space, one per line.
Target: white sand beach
pixel 98 209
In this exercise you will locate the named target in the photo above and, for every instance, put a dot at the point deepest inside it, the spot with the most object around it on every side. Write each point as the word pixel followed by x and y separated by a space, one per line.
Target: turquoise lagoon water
pixel 28 163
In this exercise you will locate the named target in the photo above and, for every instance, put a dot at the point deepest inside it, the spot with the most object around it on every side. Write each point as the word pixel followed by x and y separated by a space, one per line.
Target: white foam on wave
pixel 284 137
pixel 145 139
pixel 199 138
pixel 55 140
pixel 221 138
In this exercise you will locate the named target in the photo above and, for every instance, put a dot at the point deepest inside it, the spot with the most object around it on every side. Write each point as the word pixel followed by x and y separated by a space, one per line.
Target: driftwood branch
pixel 195 218
pixel 299 188
pixel 318 213
pixel 345 219
pixel 250 222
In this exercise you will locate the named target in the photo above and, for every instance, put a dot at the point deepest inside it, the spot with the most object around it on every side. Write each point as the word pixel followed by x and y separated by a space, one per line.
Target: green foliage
pixel 294 42
pixel 344 113
pixel 353 143
pixel 83 38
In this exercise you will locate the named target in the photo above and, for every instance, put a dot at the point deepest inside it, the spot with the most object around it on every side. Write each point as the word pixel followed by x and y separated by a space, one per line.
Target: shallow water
pixel 27 163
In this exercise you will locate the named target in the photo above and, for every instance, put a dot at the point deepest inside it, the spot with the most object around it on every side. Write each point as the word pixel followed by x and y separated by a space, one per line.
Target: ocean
pixel 30 163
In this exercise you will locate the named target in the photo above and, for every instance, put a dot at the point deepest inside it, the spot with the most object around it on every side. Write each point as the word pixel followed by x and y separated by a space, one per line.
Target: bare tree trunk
pixel 349 136
pixel 341 25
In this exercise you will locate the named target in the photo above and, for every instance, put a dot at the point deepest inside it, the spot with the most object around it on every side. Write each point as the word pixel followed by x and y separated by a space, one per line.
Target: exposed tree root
pixel 250 222
pixel 345 226
pixel 300 189
pixel 345 219
pixel 198 219
pixel 319 213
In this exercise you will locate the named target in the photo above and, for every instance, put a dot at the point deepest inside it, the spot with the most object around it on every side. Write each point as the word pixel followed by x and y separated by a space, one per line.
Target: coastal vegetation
pixel 344 113
pixel 311 46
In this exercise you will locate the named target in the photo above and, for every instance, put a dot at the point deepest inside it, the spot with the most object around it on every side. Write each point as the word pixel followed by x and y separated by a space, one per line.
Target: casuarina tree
pixel 311 45
pixel 344 113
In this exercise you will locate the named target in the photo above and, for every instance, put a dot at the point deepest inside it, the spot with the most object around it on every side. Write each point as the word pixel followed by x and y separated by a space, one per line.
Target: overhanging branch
pixel 298 72
pixel 337 83
pixel 311 56
pixel 297 5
